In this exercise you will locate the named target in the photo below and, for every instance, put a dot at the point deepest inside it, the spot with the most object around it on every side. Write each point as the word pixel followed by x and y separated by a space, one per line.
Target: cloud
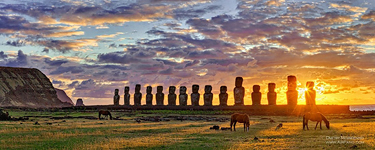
pixel 17 43
pixel 71 69
pixel 64 34
pixel 20 61
pixel 3 55
pixel 55 62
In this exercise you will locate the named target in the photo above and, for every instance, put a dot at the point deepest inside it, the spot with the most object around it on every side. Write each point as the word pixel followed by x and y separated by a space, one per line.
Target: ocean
pixel 362 107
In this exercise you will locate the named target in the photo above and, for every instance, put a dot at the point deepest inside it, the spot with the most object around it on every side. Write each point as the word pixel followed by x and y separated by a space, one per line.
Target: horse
pixel 318 117
pixel 241 118
pixel 105 113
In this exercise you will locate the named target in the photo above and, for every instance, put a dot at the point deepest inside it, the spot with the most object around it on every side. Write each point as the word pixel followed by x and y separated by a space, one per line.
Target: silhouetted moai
pixel 239 92
pixel 310 95
pixel 126 96
pixel 137 95
pixel 195 95
pixel 271 95
pixel 172 96
pixel 292 93
pixel 208 96
pixel 183 96
pixel 256 96
pixel 159 95
pixel 116 98
pixel 79 102
pixel 149 95
pixel 223 96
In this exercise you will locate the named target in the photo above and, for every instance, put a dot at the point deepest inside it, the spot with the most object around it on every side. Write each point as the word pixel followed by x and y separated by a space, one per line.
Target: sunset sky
pixel 89 48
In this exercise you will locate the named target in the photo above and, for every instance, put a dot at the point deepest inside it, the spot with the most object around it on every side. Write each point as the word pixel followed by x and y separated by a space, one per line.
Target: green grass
pixel 128 134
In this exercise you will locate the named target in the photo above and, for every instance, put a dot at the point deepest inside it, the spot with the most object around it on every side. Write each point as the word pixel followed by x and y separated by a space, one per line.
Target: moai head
pixel 126 90
pixel 195 88
pixel 159 89
pixel 182 89
pixel 310 85
pixel 292 78
pixel 116 91
pixel 271 87
pixel 137 88
pixel 148 89
pixel 172 89
pixel 223 89
pixel 239 81
pixel 208 89
pixel 256 88
pixel 292 82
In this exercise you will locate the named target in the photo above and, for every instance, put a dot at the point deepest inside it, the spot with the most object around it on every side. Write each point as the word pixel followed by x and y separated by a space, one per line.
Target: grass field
pixel 128 134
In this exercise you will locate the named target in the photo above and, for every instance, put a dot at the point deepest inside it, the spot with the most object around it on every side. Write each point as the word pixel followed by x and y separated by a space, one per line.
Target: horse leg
pixel 234 125
pixel 303 122
pixel 316 124
pixel 320 125
pixel 231 123
pixel 244 127
pixel 307 124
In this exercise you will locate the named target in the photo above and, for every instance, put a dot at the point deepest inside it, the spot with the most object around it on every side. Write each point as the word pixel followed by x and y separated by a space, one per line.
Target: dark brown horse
pixel 241 118
pixel 318 117
pixel 105 113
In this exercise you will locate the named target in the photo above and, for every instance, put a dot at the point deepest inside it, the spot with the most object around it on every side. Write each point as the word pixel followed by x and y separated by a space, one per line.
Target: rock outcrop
pixel 61 95
pixel 27 87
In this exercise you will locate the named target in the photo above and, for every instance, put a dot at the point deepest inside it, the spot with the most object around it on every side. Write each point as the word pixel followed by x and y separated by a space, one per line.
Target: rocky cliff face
pixel 27 87
pixel 61 95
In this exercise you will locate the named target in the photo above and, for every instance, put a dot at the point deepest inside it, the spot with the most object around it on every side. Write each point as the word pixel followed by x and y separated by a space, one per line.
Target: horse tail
pixel 110 116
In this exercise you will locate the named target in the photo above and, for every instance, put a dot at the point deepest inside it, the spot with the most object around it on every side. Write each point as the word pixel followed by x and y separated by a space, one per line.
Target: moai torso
pixel 310 95
pixel 137 95
pixel 256 96
pixel 172 96
pixel 223 96
pixel 126 96
pixel 271 95
pixel 292 93
pixel 239 92
pixel 116 98
pixel 208 96
pixel 195 95
pixel 183 96
pixel 149 95
pixel 159 95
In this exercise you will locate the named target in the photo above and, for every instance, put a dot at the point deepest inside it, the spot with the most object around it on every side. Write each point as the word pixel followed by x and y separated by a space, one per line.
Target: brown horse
pixel 318 117
pixel 105 113
pixel 241 118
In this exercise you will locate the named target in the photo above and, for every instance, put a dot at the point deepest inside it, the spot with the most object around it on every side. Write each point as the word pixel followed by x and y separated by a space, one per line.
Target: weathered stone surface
pixel 183 96
pixel 195 95
pixel 172 96
pixel 79 102
pixel 256 96
pixel 126 95
pixel 27 87
pixel 223 96
pixel 271 95
pixel 208 96
pixel 310 94
pixel 292 93
pixel 159 95
pixel 149 95
pixel 61 95
pixel 239 92
pixel 116 98
pixel 137 95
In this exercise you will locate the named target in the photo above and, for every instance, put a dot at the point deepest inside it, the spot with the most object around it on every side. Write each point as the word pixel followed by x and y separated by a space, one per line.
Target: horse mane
pixel 324 118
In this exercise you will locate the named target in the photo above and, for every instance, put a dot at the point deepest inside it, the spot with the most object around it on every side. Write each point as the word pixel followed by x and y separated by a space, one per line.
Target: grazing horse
pixel 318 117
pixel 105 113
pixel 241 118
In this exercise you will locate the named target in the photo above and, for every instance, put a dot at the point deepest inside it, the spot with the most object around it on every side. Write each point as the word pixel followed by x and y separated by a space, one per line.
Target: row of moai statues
pixel 239 93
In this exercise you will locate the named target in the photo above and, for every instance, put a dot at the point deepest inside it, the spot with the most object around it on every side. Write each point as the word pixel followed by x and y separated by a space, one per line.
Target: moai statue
pixel 239 92
pixel 126 96
pixel 256 96
pixel 292 93
pixel 116 98
pixel 183 96
pixel 149 95
pixel 208 96
pixel 172 96
pixel 223 96
pixel 137 95
pixel 271 95
pixel 159 95
pixel 310 95
pixel 80 102
pixel 195 95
